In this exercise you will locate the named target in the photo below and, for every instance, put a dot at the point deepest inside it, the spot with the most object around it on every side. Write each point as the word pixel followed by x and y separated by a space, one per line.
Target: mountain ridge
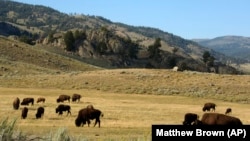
pixel 236 46
pixel 53 25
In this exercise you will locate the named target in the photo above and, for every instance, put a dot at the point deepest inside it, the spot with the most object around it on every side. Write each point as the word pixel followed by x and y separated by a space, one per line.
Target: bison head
pixel 79 122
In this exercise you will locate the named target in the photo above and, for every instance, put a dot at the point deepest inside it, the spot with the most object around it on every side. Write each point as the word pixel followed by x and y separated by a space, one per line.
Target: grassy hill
pixel 46 24
pixel 18 58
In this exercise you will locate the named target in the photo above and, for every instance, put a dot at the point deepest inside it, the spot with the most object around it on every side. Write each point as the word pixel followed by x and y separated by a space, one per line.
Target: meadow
pixel 131 100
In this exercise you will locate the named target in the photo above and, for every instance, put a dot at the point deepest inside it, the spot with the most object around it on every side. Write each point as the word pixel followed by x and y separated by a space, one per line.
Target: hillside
pixel 18 58
pixel 115 44
pixel 235 46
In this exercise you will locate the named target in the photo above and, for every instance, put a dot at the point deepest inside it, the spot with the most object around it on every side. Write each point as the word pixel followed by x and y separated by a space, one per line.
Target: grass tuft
pixel 8 131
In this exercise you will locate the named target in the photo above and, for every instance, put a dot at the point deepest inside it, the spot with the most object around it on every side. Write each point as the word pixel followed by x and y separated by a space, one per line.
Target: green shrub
pixel 8 131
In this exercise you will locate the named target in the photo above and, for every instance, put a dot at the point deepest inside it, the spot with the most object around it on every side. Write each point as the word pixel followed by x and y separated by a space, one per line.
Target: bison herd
pixel 85 115
pixel 210 117
pixel 88 113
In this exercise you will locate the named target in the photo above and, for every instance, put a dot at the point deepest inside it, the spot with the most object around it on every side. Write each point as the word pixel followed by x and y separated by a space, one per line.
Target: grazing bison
pixel 61 108
pixel 24 112
pixel 87 114
pixel 82 117
pixel 40 99
pixel 76 97
pixel 40 112
pixel 28 100
pixel 218 119
pixel 95 114
pixel 16 103
pixel 208 107
pixel 62 98
pixel 228 110
pixel 190 118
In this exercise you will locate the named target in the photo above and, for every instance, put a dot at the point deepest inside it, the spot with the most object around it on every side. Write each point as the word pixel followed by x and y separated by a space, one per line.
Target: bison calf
pixel 24 112
pixel 40 112
pixel 40 99
pixel 61 108
pixel 228 110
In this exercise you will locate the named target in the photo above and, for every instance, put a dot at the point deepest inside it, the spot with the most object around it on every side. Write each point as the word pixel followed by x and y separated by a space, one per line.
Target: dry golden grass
pixel 131 99
pixel 243 67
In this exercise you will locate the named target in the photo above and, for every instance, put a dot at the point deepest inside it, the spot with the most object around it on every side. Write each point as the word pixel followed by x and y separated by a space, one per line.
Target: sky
pixel 189 19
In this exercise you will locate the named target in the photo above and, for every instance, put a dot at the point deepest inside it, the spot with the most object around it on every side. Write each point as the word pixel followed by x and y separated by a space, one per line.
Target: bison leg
pixel 88 122
pixel 97 120
pixel 68 112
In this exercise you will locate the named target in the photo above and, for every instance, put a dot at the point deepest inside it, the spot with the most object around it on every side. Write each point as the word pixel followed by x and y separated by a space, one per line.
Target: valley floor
pixel 131 99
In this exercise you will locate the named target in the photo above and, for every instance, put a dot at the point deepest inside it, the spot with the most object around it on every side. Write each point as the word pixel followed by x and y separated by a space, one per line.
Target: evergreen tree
pixel 154 50
pixel 208 59
pixel 69 41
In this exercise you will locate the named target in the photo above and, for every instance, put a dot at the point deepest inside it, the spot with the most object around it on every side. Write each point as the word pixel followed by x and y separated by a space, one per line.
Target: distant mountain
pixel 235 46
pixel 97 38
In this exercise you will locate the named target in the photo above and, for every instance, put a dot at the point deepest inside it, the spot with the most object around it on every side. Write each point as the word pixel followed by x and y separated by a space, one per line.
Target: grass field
pixel 131 100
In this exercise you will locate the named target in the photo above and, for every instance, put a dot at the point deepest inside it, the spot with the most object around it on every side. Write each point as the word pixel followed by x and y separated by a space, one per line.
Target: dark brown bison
pixel 62 98
pixel 61 108
pixel 40 99
pixel 82 117
pixel 218 119
pixel 40 112
pixel 228 110
pixel 24 112
pixel 27 101
pixel 190 118
pixel 16 103
pixel 87 114
pixel 76 97
pixel 209 106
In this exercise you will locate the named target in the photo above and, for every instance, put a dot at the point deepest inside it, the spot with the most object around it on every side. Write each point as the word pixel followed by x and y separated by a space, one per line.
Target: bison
pixel 190 118
pixel 28 100
pixel 40 99
pixel 87 114
pixel 76 97
pixel 228 110
pixel 218 119
pixel 24 112
pixel 209 106
pixel 16 103
pixel 61 108
pixel 82 117
pixel 40 112
pixel 95 114
pixel 62 98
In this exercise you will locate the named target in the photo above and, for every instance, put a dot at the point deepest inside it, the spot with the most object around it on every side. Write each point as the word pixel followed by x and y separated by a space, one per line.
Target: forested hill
pixel 95 37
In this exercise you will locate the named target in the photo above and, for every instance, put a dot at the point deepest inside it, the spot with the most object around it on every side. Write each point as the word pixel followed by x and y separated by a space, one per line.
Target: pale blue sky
pixel 188 19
